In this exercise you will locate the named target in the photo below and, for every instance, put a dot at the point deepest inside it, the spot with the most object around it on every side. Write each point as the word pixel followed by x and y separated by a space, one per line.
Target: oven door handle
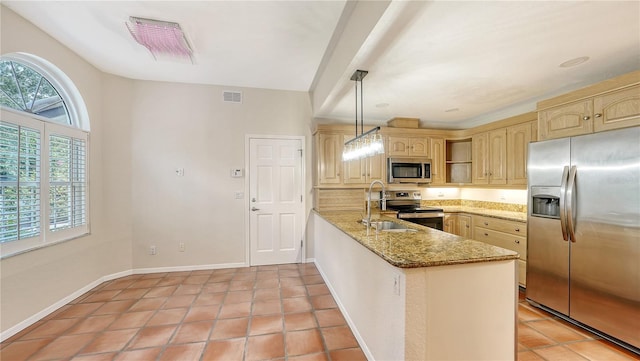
pixel 421 215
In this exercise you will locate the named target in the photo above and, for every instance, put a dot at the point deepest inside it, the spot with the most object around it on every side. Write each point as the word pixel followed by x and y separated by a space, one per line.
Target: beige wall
pixel 189 126
pixel 33 281
pixel 140 132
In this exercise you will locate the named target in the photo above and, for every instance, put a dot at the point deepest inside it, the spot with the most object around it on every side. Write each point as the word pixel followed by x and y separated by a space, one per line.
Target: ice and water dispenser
pixel 545 202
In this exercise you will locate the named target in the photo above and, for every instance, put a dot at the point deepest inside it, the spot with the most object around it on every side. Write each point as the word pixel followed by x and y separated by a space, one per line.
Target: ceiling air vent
pixel 232 96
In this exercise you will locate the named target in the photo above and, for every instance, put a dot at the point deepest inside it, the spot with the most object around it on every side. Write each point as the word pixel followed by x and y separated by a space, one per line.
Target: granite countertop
pixel 426 248
pixel 495 213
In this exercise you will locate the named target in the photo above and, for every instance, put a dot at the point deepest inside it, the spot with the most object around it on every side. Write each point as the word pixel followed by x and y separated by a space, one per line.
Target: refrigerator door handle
pixel 563 191
pixel 570 196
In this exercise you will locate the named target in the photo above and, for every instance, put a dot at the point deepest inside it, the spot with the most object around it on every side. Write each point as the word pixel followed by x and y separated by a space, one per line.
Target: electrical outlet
pixel 181 246
pixel 153 250
pixel 180 172
pixel 239 195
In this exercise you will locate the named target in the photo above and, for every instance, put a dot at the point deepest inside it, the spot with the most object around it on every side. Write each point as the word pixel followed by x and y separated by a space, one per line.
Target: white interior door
pixel 276 214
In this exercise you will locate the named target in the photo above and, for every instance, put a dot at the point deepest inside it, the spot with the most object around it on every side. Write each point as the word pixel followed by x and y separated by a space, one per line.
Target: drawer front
pixel 501 239
pixel 502 225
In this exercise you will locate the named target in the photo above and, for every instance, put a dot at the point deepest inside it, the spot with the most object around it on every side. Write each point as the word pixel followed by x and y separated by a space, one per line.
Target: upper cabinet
pixel 612 104
pixel 566 120
pixel 490 157
pixel 437 161
pixel 332 172
pixel 458 160
pixel 518 139
pixel 618 109
pixel 363 171
pixel 408 146
pixel 329 158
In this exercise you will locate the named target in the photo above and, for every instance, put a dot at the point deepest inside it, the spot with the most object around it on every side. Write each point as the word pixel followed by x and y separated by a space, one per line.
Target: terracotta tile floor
pixel 282 312
pixel 543 336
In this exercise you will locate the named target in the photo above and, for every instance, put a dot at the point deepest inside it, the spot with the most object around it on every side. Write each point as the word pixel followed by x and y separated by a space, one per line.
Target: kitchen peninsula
pixel 408 295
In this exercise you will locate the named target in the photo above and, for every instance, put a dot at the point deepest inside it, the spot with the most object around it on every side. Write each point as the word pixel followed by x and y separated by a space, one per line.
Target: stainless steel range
pixel 407 203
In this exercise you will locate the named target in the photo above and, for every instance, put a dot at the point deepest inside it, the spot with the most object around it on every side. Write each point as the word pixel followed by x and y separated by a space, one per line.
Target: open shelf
pixel 458 161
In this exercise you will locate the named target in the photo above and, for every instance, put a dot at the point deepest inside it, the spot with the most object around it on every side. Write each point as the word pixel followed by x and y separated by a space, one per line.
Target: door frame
pixel 247 200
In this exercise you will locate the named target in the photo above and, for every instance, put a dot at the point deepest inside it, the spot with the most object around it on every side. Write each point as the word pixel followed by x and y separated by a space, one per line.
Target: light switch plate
pixel 237 173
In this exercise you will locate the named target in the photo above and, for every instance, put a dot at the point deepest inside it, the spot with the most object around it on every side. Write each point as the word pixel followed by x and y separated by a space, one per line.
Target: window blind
pixel 20 154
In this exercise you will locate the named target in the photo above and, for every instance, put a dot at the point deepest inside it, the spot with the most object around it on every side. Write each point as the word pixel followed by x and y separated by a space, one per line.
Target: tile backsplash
pixel 514 200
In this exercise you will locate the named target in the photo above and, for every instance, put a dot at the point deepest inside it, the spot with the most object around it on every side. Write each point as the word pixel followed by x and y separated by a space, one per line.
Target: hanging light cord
pixel 373 144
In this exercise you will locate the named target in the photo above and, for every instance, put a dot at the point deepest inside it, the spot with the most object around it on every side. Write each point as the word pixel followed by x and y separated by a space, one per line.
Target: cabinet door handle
pixel 517 229
pixel 586 117
pixel 486 234
pixel 517 241
pixel 597 115
pixel 486 224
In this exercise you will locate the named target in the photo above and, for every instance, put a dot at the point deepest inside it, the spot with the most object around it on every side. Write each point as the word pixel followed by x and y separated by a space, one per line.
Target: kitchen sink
pixel 389 226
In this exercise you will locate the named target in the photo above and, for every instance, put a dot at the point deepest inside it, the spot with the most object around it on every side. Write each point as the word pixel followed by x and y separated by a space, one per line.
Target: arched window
pixel 43 156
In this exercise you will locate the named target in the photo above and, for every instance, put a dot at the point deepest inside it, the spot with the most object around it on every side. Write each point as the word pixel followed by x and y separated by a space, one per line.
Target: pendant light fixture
pixel 369 143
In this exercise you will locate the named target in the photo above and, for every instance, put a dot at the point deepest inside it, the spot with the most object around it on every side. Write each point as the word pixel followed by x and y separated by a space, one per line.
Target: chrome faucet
pixel 383 202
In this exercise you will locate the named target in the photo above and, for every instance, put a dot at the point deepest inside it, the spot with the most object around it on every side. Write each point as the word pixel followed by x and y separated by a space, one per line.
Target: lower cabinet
pixel 458 224
pixel 505 234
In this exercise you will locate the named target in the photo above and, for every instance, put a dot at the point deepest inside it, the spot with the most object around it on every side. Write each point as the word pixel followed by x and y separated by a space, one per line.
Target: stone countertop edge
pixel 494 213
pixel 426 248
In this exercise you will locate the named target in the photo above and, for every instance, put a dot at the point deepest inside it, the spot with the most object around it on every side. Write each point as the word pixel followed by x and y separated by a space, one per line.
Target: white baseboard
pixel 352 325
pixel 188 268
pixel 48 310
pixel 45 312
pixel 310 260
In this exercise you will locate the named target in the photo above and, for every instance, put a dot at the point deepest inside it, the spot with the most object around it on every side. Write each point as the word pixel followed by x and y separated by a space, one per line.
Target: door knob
pixel 255 209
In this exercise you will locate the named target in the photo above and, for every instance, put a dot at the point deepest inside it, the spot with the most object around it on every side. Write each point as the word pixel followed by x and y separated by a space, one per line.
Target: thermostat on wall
pixel 237 173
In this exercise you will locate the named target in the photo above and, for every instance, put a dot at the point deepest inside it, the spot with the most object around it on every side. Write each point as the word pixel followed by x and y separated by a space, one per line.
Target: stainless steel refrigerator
pixel 583 241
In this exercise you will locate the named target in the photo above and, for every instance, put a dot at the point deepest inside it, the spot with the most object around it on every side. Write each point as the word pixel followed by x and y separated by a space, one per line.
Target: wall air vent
pixel 232 96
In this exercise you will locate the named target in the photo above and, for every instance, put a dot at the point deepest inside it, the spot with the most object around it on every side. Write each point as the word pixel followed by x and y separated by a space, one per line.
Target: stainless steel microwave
pixel 408 170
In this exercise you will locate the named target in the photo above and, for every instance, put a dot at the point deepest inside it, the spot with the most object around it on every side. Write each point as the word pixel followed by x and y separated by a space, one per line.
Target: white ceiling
pixel 450 63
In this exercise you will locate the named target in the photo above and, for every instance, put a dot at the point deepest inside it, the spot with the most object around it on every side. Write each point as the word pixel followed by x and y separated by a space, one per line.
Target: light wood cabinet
pixel 449 223
pixel 464 226
pixel 518 139
pixel 610 110
pixel 503 233
pixel 498 156
pixel 490 157
pixel 437 161
pixel 566 120
pixel 458 224
pixel 618 109
pixel 329 158
pixel 363 171
pixel 408 146
pixel 353 171
pixel 458 160
pixel 480 165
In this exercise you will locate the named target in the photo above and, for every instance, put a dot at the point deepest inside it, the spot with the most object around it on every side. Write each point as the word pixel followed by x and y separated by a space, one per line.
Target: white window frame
pixel 79 129
pixel 74 102
pixel 46 236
